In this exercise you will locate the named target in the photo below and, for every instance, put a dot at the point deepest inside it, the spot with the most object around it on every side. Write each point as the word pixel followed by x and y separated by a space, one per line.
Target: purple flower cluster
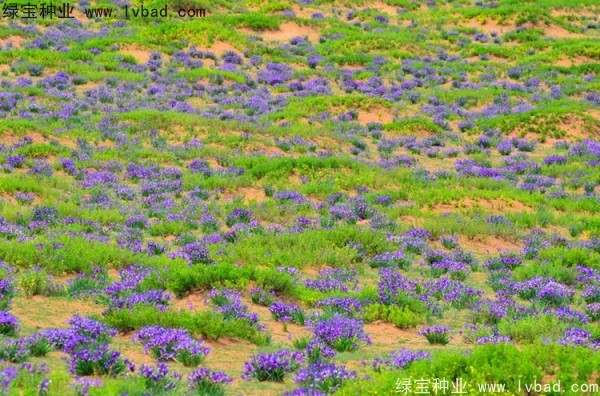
pixel 593 311
pixel 260 296
pixel 9 324
pixel 555 159
pixel 229 304
pixel 546 291
pixel 393 284
pixel 340 333
pixel 495 339
pixel 390 259
pixel 97 359
pixel 166 344
pixel 204 381
pixel 347 306
pixel 86 330
pixel 193 253
pixel 82 385
pixel 456 269
pixel 436 334
pixel 454 292
pixel 272 366
pixel 159 380
pixel 239 216
pixel 323 377
pixel 155 298
pixel 579 337
pixel 283 312
pixel 333 280
pixel 317 350
pixel 506 260
pixel 399 359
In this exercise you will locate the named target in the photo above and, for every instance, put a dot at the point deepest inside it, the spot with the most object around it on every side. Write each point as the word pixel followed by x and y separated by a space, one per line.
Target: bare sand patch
pixel 9 138
pixel 560 32
pixel 221 47
pixel 560 12
pixel 40 312
pixel 16 41
pixel 575 126
pixel 13 200
pixel 377 114
pixel 193 302
pixel 495 205
pixel 488 25
pixel 388 9
pixel 140 54
pixel 252 194
pixel 575 61
pixel 287 31
pixel 489 245
pixel 132 351
pixel 306 12
pixel 87 86
pixel 387 334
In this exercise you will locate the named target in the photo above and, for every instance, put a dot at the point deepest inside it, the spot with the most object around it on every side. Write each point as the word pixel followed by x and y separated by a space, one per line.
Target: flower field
pixel 300 197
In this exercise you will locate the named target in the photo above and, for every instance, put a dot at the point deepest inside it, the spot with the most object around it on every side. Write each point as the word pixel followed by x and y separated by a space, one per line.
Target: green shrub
pixel 36 281
pixel 501 363
pixel 208 324
pixel 401 317
pixel 532 329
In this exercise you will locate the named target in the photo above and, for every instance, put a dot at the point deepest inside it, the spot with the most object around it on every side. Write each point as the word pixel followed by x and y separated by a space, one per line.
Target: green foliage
pixel 36 281
pixel 401 317
pixel 502 364
pixel 208 324
pixel 531 329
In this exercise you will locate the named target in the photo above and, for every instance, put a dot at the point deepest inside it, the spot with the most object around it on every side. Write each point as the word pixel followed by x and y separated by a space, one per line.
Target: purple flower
pixel 283 312
pixel 347 306
pixel 9 324
pixel 15 161
pixel 399 359
pixel 230 305
pixel 82 385
pixel 495 339
pixel 290 196
pixel 24 198
pixel 555 159
pixel 96 359
pixel 260 296
pixel 156 298
pixel 200 166
pixel 207 382
pixel 390 259
pixel 546 291
pixel 340 333
pixel 317 351
pixel 272 366
pixel 591 294
pixel 323 377
pixel 239 216
pixel 7 376
pixel 171 344
pixel 436 334
pixel 593 311
pixel 157 379
pixel 193 253
pixel 393 284
pixel 314 60
pixel 88 328
pixel 507 260
pixel 579 337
